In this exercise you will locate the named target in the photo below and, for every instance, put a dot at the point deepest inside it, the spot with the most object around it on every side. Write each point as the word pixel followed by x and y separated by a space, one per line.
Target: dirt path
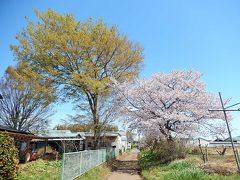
pixel 126 167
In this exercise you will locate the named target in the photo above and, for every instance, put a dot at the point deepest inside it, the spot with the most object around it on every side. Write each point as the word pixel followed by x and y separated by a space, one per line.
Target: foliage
pixel 194 150
pixel 181 169
pixel 73 127
pixel 23 107
pixel 8 158
pixel 147 159
pixel 164 152
pixel 83 127
pixel 40 170
pixel 170 103
pixel 76 58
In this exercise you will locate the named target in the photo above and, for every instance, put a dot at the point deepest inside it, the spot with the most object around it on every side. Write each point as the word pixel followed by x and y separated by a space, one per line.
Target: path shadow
pixel 130 167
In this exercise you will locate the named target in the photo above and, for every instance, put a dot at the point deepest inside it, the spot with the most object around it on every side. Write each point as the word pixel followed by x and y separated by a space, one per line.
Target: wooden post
pixel 200 147
pixel 57 156
pixel 45 147
pixel 206 152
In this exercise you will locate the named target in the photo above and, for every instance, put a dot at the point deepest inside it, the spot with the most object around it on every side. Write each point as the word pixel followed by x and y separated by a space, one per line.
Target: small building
pixel 123 139
pixel 225 142
pixel 203 142
pixel 67 141
pixel 62 140
pixel 22 141
pixel 107 139
pixel 195 141
pixel 125 144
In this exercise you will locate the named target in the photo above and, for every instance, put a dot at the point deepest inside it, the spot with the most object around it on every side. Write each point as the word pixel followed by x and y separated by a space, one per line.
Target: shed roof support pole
pixel 45 147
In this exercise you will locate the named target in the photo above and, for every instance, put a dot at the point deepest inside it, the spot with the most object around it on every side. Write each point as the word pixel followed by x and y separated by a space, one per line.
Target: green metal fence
pixel 75 164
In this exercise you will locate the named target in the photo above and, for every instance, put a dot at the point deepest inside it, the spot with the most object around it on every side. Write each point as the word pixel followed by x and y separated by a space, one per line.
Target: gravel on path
pixel 127 167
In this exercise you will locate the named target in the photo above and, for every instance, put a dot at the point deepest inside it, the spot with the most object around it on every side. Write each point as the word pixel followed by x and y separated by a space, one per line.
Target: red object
pixel 33 156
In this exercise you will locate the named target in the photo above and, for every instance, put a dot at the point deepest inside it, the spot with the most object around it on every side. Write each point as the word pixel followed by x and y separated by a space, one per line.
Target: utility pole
pixel 229 131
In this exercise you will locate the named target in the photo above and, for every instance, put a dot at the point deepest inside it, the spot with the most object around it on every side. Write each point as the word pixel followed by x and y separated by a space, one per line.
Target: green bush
pixel 164 152
pixel 147 159
pixel 8 158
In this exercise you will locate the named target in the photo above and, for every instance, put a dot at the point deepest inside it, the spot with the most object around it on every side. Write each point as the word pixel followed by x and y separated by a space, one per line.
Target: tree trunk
pixel 93 103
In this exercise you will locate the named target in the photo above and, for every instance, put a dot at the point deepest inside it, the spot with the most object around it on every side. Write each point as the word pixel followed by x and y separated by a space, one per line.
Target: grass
pixel 181 170
pixel 51 170
pixel 40 170
pixel 97 173
pixel 186 169
pixel 221 163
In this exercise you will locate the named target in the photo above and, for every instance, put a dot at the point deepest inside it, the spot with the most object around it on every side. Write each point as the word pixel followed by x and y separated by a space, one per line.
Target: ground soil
pixel 126 167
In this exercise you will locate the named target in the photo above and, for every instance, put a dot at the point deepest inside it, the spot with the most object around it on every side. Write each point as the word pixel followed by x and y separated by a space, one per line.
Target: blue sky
pixel 203 35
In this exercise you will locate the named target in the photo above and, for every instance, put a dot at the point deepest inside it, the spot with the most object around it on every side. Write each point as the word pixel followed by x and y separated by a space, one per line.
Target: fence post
pixel 90 160
pixel 98 162
pixel 80 163
pixel 206 151
pixel 63 161
pixel 106 155
pixel 102 155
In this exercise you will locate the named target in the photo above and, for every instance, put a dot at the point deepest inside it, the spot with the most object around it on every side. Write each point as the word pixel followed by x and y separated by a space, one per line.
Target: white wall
pixel 117 142
pixel 220 144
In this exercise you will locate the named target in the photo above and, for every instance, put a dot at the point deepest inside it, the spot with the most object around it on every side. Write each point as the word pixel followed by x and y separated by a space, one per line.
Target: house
pixel 67 141
pixel 22 141
pixel 62 140
pixel 225 142
pixel 107 139
pixel 195 141
pixel 125 144
pixel 203 142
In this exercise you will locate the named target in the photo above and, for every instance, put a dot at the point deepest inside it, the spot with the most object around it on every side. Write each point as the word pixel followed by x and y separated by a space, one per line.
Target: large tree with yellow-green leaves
pixel 75 58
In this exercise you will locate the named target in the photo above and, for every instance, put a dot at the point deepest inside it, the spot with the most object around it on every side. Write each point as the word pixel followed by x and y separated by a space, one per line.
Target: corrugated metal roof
pixel 69 134
pixel 237 138
pixel 5 128
pixel 60 134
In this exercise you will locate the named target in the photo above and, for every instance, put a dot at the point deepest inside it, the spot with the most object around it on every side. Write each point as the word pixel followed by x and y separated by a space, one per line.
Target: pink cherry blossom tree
pixel 169 104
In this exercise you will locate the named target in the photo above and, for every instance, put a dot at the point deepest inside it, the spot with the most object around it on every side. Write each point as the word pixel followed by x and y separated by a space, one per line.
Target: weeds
pixel 185 169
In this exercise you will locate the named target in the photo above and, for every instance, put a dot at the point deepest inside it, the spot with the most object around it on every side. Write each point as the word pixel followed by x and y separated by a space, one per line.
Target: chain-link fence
pixel 75 164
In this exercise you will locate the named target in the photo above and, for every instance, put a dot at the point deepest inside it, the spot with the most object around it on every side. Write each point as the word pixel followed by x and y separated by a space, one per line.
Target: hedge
pixel 8 158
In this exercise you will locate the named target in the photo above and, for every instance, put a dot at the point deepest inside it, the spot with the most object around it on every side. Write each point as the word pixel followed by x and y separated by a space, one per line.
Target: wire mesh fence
pixel 75 164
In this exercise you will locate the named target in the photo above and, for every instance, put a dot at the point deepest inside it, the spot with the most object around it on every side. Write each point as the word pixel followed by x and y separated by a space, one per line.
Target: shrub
pixel 168 151
pixel 164 152
pixel 8 158
pixel 147 159
pixel 194 150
